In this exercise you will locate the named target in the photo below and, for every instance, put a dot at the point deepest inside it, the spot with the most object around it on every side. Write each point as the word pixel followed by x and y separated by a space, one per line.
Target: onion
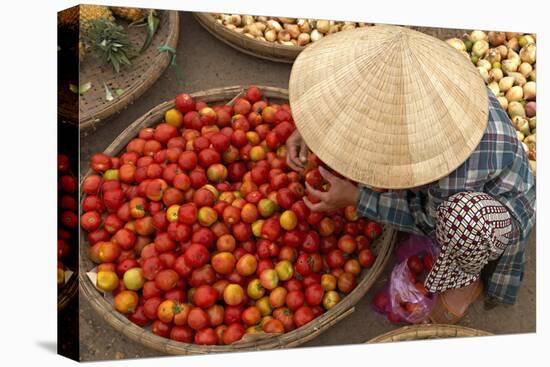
pixel 503 51
pixel 283 36
pixel 247 19
pixel 261 38
pixel 480 48
pixel 523 127
pixel 347 27
pixel 493 55
pixel 249 35
pixel 513 44
pixel 496 38
pixel 316 35
pixel 530 90
pixel 262 19
pixel 516 121
pixel 525 40
pixel 513 56
pixel 516 109
pixel 493 86
pixel 334 28
pixel 261 26
pixel 484 64
pixel 293 29
pixel 254 30
pixel 239 30
pixel 520 135
pixel 514 94
pixel 323 26
pixel 273 24
pixel 231 26
pixel 518 78
pixel 287 20
pixel 270 35
pixel 457 44
pixel 474 58
pixel 288 43
pixel 533 123
pixel 304 26
pixel 484 73
pixel 525 69
pixel 510 35
pixel 509 66
pixel 503 102
pixel 495 75
pixel 531 109
pixel 529 53
pixel 303 39
pixel 235 19
pixel 533 76
pixel 506 83
pixel 478 36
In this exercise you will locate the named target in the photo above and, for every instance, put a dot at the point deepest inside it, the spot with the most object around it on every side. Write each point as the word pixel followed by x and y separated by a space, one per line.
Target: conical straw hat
pixel 388 106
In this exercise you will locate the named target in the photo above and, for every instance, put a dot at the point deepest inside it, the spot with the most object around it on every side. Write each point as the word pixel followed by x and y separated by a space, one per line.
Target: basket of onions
pixel 507 62
pixel 274 38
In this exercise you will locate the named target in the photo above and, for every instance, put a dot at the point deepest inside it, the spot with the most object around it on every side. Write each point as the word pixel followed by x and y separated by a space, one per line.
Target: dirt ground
pixel 208 63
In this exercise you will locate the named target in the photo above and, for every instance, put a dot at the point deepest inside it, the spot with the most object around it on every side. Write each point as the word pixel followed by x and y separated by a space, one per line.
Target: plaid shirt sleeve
pixel 402 209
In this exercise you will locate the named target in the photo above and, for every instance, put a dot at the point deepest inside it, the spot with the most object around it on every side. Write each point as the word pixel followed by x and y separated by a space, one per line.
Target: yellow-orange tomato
pixel 284 270
pixel 329 282
pixel 166 311
pixel 172 213
pixel 288 220
pixel 277 297
pixel 107 281
pixel 180 314
pixel 330 299
pixel 126 301
pixel 264 306
pixel 255 290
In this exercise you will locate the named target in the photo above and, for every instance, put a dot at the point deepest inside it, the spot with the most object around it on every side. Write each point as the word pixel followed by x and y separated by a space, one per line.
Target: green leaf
pixel 152 27
pixel 119 91
pixel 80 90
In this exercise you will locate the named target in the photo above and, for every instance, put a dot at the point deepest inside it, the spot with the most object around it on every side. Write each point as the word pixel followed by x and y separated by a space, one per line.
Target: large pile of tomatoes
pixel 67 211
pixel 199 227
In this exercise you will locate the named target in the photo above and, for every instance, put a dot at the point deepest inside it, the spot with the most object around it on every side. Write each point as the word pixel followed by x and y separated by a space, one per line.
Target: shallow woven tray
pixel 427 331
pixel 281 53
pixel 382 247
pixel 134 79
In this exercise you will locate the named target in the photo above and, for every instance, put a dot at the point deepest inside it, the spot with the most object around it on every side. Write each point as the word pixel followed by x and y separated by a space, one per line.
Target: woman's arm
pixel 402 209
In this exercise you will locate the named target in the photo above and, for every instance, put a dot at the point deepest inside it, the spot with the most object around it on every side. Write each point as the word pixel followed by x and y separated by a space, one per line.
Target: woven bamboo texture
pixel 382 247
pixel 67 293
pixel 388 106
pixel 427 331
pixel 282 53
pixel 134 79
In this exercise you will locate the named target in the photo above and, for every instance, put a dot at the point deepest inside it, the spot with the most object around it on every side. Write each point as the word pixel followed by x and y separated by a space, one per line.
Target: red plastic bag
pixel 404 298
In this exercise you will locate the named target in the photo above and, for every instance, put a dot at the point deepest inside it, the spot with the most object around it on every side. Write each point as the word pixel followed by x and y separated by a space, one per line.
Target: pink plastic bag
pixel 400 299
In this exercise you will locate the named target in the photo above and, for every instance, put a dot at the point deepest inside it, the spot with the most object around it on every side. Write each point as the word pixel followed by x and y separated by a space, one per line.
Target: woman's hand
pixel 296 157
pixel 342 193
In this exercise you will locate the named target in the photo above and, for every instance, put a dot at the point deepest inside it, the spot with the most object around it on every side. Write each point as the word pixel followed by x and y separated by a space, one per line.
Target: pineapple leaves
pixel 152 27
pixel 110 43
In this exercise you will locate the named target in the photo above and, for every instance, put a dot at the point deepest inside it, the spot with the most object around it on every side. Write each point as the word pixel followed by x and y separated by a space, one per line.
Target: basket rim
pixel 158 66
pixel 290 339
pixel 67 292
pixel 424 331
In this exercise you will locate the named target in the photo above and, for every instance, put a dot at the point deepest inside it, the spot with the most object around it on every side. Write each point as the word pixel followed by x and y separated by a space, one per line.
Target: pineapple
pixel 129 14
pixel 68 18
pixel 93 12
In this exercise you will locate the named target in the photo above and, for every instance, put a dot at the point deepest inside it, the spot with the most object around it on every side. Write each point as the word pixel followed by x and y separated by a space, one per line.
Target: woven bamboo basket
pixel 67 293
pixel 134 79
pixel 427 331
pixel 382 247
pixel 281 53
